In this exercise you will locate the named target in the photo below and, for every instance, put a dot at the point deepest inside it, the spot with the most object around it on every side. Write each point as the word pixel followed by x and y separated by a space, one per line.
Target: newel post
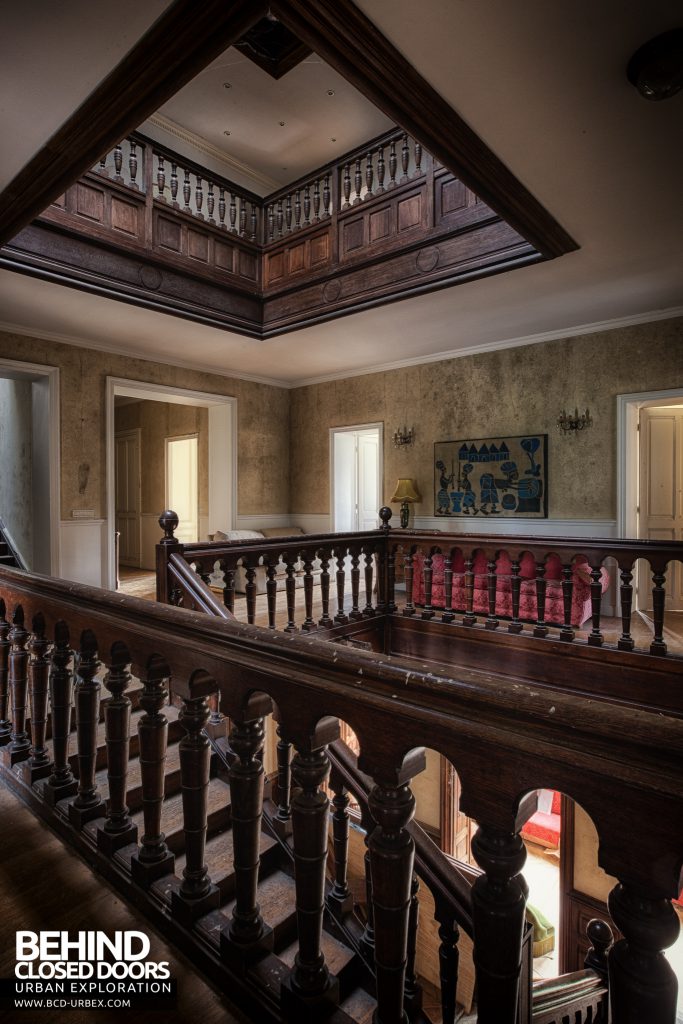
pixel 383 598
pixel 168 545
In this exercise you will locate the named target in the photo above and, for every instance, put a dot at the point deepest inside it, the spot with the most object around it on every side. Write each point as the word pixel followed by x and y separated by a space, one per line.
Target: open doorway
pixel 355 476
pixel 187 457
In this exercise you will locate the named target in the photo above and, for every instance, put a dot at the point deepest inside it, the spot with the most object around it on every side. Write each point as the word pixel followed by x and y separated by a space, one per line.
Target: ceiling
pixel 544 86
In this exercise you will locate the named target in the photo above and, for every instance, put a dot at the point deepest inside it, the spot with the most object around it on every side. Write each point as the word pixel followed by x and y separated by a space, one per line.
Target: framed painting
pixel 492 476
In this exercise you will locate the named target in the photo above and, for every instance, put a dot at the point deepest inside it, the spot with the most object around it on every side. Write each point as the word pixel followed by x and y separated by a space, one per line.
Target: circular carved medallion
pixel 331 290
pixel 150 277
pixel 427 259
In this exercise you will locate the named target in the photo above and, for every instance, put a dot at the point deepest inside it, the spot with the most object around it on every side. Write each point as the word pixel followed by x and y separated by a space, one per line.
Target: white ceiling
pixel 543 84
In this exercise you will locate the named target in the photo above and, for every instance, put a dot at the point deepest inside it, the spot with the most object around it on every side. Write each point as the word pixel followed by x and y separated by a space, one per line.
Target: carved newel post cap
pixel 385 515
pixel 599 934
pixel 168 521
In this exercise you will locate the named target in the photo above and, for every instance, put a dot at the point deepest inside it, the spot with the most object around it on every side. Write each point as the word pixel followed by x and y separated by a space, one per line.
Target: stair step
pixel 276 898
pixel 7 559
pixel 218 802
pixel 134 791
pixel 360 1005
pixel 338 957
pixel 219 860
pixel 175 732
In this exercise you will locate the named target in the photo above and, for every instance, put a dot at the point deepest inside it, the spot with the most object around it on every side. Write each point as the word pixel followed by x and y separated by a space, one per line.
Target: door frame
pixel 47 379
pixel 127 433
pixel 354 428
pixel 222 453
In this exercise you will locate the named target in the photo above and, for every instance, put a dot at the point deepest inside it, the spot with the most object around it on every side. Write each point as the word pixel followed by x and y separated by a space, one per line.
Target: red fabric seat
pixel 544 827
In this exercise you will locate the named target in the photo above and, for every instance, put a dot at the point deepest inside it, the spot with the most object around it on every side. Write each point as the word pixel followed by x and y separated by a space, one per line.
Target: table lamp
pixel 405 492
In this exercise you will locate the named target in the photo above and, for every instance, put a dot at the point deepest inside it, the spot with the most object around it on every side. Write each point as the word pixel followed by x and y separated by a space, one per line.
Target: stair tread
pixel 135 716
pixel 219 856
pixel 360 1005
pixel 218 798
pixel 134 780
pixel 276 898
pixel 337 955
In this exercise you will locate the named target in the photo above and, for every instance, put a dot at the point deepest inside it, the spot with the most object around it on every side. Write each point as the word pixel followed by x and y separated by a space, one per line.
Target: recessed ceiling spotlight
pixel 227 85
pixel 333 140
pixel 330 92
pixel 227 133
pixel 282 124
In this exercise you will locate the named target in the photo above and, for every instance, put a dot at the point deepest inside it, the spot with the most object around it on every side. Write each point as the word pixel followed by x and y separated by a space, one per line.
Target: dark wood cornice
pixel 179 44
pixel 342 35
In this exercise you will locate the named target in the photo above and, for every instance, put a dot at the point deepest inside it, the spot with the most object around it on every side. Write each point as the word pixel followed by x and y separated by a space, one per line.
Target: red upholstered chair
pixel 544 827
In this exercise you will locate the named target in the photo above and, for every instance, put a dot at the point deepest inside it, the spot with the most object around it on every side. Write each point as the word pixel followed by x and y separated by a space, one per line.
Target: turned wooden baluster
pixel 327 196
pixel 316 200
pixel 271 592
pixel 118 163
pixel 250 589
pixel 427 576
pixel 19 747
pixel 253 220
pixel 283 819
pixel 288 212
pixel 196 894
pixel 418 158
pixel 174 185
pixel 187 192
pixel 409 574
pixel 61 783
pixel 658 646
pixel 540 629
pixel 247 936
pixel 405 159
pixel 341 618
pixel 118 829
pixel 469 617
pixel 307 205
pixel 369 174
pixel 412 998
pixel 309 621
pixel 346 186
pixel 449 959
pixel 221 210
pixel 161 178
pixel 233 213
pixel 358 182
pixel 271 222
pixel 243 217
pixel 210 202
pixel 228 587
pixel 340 898
pixel 133 163
pixel 5 724
pixel 290 593
pixel 297 209
pixel 153 859
pixel 498 911
pixel 280 218
pixel 198 197
pixel 355 612
pixel 325 620
pixel 102 168
pixel 626 642
pixel 38 765
pixel 391 849
pixel 642 984
pixel 310 982
pixel 491 586
pixel 448 614
pixel 381 170
pixel 391 580
pixel 88 803
pixel 393 164
pixel 515 624
pixel 369 610
pixel 595 637
pixel 567 631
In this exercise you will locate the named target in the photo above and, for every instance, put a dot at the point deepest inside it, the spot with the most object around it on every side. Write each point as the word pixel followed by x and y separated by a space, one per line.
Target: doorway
pixel 355 477
pixel 128 497
pixel 182 485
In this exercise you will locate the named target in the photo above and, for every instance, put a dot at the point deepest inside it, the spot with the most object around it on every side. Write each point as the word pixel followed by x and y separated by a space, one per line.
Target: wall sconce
pixel 569 424
pixel 404 436
pixel 405 492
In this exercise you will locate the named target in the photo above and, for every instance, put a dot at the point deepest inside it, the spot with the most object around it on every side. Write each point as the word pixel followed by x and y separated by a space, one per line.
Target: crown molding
pixel 66 339
pixel 493 346
pixel 230 163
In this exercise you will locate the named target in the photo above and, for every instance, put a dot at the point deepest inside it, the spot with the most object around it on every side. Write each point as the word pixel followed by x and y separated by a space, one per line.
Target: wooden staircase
pixel 8 556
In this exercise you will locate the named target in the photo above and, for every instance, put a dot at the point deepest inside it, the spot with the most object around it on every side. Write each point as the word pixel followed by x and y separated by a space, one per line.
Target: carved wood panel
pixel 205 246
pixel 297 256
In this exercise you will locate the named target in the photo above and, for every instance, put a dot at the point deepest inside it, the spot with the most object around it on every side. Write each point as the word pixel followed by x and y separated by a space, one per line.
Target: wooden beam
pixel 344 37
pixel 183 40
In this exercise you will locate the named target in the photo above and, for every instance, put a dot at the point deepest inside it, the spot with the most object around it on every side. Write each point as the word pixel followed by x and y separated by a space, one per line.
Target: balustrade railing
pixel 395 160
pixel 125 163
pixel 306 204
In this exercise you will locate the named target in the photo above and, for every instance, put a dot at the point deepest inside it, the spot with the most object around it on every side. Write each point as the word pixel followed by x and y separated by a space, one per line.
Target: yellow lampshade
pixel 406 491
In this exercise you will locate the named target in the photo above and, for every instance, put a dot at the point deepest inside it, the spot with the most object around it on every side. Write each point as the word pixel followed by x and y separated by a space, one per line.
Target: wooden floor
pixel 52 889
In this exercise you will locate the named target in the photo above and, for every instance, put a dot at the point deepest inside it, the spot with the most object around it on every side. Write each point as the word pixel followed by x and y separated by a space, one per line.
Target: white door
pixel 127 448
pixel 356 478
pixel 182 486
pixel 661 494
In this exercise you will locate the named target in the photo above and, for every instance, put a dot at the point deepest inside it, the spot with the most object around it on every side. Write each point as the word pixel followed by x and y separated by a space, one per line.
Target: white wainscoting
pixel 311 522
pixel 265 521
pixel 508 525
pixel 83 551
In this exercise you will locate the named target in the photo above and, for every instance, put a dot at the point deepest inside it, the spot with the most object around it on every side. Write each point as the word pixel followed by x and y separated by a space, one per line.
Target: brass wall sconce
pixel 403 437
pixel 571 424
pixel 406 492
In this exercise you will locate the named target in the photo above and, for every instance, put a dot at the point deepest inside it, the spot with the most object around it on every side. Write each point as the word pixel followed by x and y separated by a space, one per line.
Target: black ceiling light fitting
pixel 656 68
